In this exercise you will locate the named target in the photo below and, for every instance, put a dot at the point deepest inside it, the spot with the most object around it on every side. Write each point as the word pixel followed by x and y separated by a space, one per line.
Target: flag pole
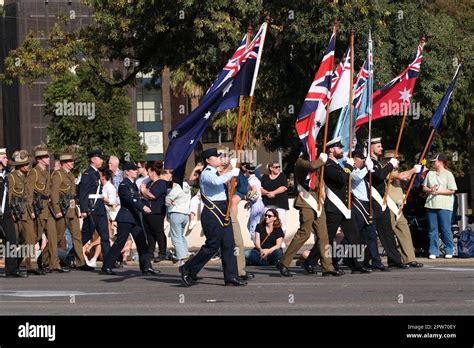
pixel 325 138
pixel 238 145
pixel 237 134
pixel 405 112
pixel 395 155
pixel 371 91
pixel 351 79
pixel 420 161
pixel 254 81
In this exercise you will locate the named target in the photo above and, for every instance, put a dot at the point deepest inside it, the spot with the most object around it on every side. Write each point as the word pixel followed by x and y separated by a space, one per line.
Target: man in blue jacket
pixel 92 204
pixel 129 221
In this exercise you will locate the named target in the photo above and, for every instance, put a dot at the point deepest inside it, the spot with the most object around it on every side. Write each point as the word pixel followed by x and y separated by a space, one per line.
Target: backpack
pixel 466 243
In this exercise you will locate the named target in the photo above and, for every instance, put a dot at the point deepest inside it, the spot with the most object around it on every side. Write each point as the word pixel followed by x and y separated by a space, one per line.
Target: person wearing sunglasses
pixel 274 191
pixel 268 240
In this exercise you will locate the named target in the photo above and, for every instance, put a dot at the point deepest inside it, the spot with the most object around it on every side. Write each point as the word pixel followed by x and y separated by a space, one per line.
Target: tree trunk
pixel 470 136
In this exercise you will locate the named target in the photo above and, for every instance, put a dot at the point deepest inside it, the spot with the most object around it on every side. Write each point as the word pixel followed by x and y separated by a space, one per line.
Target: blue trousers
pixel 100 224
pixel 253 257
pixel 123 230
pixel 440 219
pixel 217 237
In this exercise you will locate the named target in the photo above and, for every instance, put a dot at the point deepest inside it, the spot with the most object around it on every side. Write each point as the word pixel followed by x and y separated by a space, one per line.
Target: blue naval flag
pixel 233 81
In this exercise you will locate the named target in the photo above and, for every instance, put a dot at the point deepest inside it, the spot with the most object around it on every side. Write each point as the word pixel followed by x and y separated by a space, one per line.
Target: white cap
pixel 335 142
pixel 3 151
pixel 375 140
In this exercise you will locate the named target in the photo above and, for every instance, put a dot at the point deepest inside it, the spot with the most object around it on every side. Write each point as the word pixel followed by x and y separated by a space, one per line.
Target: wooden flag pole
pixel 420 161
pixel 387 190
pixel 349 186
pixel 237 134
pixel 325 139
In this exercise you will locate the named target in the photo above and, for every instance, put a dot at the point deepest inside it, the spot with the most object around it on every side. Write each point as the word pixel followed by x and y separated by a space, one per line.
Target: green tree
pixel 107 126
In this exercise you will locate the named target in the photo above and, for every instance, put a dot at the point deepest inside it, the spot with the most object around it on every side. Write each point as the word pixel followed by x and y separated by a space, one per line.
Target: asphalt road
pixel 441 289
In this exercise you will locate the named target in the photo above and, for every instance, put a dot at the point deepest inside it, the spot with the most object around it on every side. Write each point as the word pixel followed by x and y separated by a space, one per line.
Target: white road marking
pixel 51 293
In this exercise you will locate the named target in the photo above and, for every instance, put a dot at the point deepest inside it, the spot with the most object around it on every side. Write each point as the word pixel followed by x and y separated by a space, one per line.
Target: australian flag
pixel 312 115
pixel 232 82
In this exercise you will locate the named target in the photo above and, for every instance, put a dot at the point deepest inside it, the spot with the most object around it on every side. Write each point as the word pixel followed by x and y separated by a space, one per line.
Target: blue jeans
pixel 440 219
pixel 178 223
pixel 253 257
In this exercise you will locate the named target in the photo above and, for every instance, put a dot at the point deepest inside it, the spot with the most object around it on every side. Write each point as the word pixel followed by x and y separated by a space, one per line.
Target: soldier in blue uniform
pixel 130 221
pixel 92 204
pixel 217 230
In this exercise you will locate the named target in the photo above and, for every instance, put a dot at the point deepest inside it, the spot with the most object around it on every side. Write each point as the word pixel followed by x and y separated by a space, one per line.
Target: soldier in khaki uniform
pixel 40 221
pixel 16 181
pixel 63 203
pixel 400 225
pixel 309 221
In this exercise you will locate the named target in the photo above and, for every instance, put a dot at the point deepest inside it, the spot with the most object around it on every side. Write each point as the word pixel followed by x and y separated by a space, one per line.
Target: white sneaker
pixel 448 256
pixel 432 257
pixel 92 262
pixel 192 224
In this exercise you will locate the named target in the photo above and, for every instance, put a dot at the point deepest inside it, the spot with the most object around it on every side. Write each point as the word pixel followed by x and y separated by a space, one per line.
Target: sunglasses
pixel 269 216
pixel 276 167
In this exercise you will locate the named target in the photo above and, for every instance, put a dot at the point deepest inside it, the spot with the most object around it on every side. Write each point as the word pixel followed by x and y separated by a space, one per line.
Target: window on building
pixel 149 101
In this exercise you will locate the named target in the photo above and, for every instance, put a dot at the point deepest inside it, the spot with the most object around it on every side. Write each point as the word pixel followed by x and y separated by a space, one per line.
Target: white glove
pixel 369 164
pixel 235 171
pixel 350 161
pixel 233 162
pixel 418 168
pixel 323 157
pixel 394 163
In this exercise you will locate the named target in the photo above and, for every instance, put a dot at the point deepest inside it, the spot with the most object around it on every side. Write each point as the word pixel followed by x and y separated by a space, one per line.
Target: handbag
pixel 466 243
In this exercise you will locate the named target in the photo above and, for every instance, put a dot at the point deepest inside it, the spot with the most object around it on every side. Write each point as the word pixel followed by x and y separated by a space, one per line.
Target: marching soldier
pixel 16 194
pixel 382 217
pixel 399 222
pixel 91 203
pixel 129 221
pixel 63 204
pixel 306 203
pixel 37 190
pixel 337 212
pixel 217 230
pixel 6 222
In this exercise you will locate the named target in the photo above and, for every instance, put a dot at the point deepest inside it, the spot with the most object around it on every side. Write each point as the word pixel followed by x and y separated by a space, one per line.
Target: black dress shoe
pixel 284 271
pixel 107 271
pixel 17 274
pixel 247 276
pixel 415 264
pixel 61 270
pixel 381 268
pixel 150 271
pixel 85 268
pixel 361 270
pixel 36 272
pixel 309 268
pixel 400 266
pixel 335 273
pixel 159 258
pixel 185 276
pixel 44 268
pixel 235 282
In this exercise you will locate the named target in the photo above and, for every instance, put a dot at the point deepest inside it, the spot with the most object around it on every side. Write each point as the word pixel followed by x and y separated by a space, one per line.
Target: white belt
pixel 95 196
pixel 338 203
pixel 393 207
pixel 378 198
pixel 308 198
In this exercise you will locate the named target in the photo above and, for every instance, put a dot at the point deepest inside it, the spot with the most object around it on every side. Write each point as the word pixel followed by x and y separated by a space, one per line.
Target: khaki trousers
pixel 239 244
pixel 402 231
pixel 310 223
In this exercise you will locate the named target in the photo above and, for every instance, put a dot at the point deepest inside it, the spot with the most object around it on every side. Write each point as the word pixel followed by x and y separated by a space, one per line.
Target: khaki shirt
pixel 302 168
pixel 63 183
pixel 16 185
pixel 38 181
